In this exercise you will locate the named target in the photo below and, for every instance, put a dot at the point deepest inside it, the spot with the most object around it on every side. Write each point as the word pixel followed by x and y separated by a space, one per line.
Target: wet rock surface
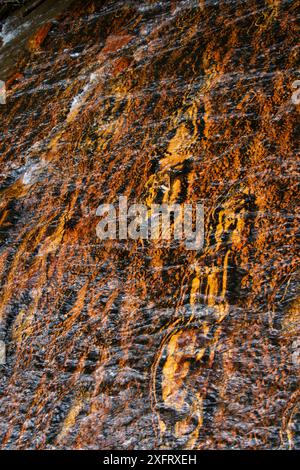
pixel 137 345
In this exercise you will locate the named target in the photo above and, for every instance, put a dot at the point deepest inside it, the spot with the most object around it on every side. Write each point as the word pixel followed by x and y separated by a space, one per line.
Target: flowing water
pixel 136 344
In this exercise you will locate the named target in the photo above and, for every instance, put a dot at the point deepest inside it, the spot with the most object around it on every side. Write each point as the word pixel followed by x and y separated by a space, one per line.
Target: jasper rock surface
pixel 123 344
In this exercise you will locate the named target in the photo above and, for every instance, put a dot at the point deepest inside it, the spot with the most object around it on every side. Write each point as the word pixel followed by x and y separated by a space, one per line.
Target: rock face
pixel 131 345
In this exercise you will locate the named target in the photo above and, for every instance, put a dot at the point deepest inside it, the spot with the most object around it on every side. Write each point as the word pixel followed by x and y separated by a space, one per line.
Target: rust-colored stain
pixel 138 345
pixel 38 38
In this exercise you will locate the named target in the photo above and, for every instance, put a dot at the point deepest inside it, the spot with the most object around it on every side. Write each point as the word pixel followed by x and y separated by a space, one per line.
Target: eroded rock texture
pixel 138 345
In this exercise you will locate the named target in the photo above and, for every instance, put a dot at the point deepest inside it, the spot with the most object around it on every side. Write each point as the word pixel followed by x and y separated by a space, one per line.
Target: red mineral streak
pixel 36 41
